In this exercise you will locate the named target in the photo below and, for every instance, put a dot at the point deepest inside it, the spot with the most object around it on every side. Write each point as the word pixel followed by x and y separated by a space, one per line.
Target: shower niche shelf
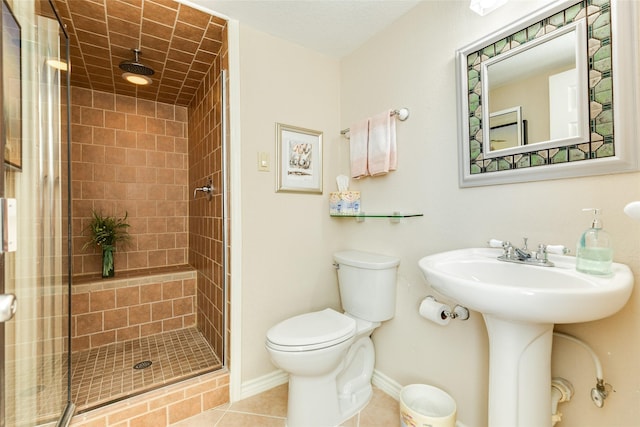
pixel 394 217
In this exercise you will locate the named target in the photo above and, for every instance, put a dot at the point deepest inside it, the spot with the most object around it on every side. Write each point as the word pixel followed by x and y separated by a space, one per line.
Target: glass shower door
pixel 34 163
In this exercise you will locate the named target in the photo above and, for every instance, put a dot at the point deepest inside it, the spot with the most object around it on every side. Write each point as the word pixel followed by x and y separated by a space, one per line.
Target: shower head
pixel 135 66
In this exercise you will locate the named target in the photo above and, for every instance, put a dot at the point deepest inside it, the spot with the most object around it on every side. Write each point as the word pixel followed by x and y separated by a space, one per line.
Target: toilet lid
pixel 366 260
pixel 314 330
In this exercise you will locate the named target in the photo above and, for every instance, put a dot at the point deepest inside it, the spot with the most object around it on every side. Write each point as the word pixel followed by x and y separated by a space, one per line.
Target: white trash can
pixel 423 405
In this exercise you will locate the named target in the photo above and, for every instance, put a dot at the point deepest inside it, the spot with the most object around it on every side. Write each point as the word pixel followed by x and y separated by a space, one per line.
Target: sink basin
pixel 520 303
pixel 476 279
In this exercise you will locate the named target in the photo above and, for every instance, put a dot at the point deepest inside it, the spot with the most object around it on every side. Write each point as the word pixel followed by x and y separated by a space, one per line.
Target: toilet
pixel 328 355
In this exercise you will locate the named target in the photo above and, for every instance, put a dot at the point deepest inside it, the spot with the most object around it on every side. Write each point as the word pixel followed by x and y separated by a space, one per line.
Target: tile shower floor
pixel 107 373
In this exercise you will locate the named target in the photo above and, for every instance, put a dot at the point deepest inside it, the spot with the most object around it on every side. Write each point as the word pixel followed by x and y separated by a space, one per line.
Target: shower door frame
pixel 2 195
pixel 31 13
pixel 2 343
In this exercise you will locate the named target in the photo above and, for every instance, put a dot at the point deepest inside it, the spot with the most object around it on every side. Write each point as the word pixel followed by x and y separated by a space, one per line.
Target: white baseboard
pixel 263 383
pixel 279 377
pixel 386 384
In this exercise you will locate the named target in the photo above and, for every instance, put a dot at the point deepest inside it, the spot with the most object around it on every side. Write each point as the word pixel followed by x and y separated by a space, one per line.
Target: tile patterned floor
pixel 38 383
pixel 269 409
pixel 107 373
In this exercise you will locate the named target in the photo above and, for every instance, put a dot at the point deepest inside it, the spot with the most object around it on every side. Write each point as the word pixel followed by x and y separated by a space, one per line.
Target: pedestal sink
pixel 520 304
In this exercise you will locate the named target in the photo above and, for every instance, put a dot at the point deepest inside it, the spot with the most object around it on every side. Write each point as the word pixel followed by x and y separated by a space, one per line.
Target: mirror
pixel 536 98
pixel 532 94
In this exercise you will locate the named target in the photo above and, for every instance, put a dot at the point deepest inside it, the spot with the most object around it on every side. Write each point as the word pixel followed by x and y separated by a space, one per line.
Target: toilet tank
pixel 367 284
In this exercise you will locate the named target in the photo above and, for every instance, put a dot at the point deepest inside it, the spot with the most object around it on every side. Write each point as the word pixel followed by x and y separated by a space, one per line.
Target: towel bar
pixel 403 114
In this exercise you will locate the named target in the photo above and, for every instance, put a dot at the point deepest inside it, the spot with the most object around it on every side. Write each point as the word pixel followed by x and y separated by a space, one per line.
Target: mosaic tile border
pixel 598 16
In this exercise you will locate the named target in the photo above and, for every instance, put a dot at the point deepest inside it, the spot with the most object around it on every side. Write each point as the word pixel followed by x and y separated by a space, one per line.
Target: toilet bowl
pixel 334 369
pixel 329 355
pixel 329 335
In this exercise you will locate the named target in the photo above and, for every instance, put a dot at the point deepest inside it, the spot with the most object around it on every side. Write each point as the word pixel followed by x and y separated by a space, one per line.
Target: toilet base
pixel 330 400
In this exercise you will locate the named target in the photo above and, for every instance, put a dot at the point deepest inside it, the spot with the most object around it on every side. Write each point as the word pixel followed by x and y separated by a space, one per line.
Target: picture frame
pixel 505 129
pixel 11 80
pixel 299 159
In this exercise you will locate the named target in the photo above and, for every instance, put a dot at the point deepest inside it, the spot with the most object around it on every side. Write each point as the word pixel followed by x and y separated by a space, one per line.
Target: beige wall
pixel 288 238
pixel 417 71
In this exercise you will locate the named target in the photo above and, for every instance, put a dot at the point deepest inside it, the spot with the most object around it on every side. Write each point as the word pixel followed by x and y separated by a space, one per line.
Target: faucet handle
pixel 557 249
pixel 495 243
pixel 525 243
pixel 541 253
pixel 543 250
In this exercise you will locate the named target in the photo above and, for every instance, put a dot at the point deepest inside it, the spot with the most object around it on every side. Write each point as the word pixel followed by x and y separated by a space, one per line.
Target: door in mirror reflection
pixel 563 104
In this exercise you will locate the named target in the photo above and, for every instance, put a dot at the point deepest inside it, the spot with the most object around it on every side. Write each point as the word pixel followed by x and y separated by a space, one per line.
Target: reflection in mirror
pixel 506 129
pixel 546 81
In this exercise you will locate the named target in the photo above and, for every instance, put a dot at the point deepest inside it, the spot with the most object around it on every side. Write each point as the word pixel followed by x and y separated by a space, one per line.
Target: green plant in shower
pixel 107 232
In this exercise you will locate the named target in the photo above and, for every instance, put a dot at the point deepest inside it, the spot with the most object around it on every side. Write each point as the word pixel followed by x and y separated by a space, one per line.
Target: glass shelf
pixel 394 217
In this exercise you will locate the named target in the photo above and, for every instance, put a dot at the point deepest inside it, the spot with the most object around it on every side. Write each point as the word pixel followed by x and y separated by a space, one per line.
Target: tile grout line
pixel 118 360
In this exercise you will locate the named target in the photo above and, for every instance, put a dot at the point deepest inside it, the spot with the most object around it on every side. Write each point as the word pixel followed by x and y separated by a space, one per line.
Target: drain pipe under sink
pixel 562 390
pixel 601 391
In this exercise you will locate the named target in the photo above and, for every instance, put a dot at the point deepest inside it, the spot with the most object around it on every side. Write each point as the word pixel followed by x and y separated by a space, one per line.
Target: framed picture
pixel 299 159
pixel 11 88
pixel 505 129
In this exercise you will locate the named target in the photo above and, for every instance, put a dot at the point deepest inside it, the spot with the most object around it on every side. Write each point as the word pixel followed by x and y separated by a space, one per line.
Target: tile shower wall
pixel 118 310
pixel 161 407
pixel 206 220
pixel 130 155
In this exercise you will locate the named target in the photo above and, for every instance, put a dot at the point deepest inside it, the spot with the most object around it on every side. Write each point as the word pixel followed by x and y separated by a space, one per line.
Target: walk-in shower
pixel 143 153
pixel 93 142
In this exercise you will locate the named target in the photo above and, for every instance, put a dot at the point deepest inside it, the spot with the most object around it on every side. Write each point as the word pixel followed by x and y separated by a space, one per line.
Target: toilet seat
pixel 311 331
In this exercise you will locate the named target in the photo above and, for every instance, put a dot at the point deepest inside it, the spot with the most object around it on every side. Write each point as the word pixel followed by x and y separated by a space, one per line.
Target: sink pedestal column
pixel 519 373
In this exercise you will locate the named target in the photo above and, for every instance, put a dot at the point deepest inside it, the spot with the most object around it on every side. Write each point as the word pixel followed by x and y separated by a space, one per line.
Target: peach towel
pixel 358 148
pixel 382 156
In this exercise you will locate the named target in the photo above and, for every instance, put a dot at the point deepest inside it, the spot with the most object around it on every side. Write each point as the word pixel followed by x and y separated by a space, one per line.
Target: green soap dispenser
pixel 594 253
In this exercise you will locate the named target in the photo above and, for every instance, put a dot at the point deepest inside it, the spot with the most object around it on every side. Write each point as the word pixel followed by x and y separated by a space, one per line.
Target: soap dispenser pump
pixel 594 253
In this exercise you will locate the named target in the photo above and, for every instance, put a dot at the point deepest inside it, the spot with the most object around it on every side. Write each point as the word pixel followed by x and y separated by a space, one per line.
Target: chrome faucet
pixel 206 189
pixel 522 255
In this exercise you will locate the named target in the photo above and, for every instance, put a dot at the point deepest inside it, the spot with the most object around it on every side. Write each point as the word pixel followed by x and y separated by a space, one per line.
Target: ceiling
pixel 180 40
pixel 333 27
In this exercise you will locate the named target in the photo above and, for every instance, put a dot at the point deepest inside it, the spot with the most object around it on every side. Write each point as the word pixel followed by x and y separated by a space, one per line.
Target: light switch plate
pixel 264 163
